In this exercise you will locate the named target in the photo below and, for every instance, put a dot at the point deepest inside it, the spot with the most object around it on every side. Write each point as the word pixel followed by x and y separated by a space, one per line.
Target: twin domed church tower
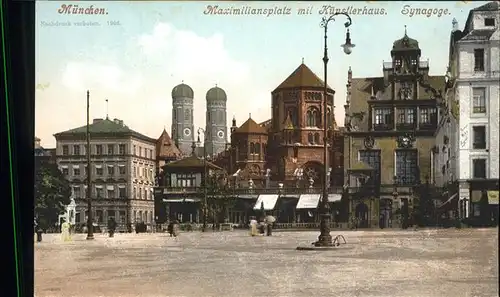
pixel 183 130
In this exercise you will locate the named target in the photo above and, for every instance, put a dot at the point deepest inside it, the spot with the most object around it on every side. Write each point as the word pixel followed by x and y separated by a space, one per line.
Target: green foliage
pixel 52 192
pixel 219 197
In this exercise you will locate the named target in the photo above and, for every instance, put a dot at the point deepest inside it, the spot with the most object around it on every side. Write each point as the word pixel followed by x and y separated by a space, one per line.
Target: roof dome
pixel 182 91
pixel 405 43
pixel 216 94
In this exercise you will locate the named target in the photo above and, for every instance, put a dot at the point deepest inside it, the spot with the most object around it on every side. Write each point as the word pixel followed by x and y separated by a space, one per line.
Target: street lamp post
pixel 90 227
pixel 205 179
pixel 325 239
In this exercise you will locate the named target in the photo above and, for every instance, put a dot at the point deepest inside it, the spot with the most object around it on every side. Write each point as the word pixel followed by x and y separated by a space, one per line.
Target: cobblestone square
pixel 424 263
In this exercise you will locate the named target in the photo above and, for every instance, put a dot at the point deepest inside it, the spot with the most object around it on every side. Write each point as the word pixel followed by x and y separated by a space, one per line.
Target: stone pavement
pixel 424 263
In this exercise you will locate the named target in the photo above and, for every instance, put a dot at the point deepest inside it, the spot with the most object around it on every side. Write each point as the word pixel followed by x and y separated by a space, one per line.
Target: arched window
pixel 313 118
pixel 292 112
pixel 252 148
pixel 316 138
pixel 329 116
pixel 310 138
pixel 187 115
pixel 257 148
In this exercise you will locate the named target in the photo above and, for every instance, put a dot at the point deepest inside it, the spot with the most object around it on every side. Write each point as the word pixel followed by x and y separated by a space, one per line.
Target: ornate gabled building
pixel 166 151
pixel 390 124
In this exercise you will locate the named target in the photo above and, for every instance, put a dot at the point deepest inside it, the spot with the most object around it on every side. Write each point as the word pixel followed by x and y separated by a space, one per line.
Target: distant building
pixel 470 139
pixel 215 138
pixel 40 152
pixel 123 169
pixel 182 118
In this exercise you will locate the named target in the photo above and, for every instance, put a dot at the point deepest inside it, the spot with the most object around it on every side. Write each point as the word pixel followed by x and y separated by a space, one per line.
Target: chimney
pixel 96 121
pixel 116 121
pixel 349 75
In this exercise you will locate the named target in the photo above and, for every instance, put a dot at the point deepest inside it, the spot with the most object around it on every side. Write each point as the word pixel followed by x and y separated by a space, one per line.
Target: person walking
pixel 111 226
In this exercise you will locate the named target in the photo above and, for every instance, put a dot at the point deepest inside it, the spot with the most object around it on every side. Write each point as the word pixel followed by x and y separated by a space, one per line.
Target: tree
pixel 219 198
pixel 52 192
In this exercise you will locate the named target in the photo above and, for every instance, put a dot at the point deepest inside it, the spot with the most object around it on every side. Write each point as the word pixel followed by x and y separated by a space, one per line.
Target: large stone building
pixel 216 122
pixel 122 171
pixel 182 118
pixel 390 126
pixel 473 96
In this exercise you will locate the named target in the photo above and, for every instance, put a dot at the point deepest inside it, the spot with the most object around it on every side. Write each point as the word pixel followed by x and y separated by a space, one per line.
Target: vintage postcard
pixel 248 149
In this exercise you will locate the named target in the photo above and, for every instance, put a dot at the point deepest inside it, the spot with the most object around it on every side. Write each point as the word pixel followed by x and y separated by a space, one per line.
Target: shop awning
pixel 121 165
pixel 110 187
pixel 109 165
pixel 308 201
pixel 122 186
pixel 269 201
pixel 449 200
pixel 98 166
pixel 180 200
pixel 76 166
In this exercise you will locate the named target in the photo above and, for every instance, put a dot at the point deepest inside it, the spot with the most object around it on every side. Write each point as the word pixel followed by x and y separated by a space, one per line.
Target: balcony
pixel 383 127
pixel 248 191
pixel 405 126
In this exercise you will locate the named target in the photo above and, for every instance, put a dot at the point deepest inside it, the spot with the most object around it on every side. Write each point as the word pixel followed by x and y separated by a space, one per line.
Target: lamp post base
pixel 324 241
pixel 90 237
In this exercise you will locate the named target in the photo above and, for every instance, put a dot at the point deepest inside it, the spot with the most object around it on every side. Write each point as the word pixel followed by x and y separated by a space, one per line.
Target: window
pixel 121 149
pixel 478 100
pixel 312 118
pixel 65 170
pixel 186 180
pixel 111 192
pixel 99 192
pixel 135 150
pixel 428 115
pixel 65 150
pixel 123 217
pixel 146 194
pixel 111 169
pixel 76 171
pixel 406 167
pixel 134 193
pixel 77 192
pixel 316 138
pixel 98 149
pixel 110 213
pixel 140 151
pixel 98 170
pixel 140 193
pixel 479 168
pixel 257 148
pixel 292 113
pixel 86 171
pixel 489 22
pixel 121 169
pixel 406 115
pixel 76 150
pixel 99 218
pixel 372 159
pixel 252 148
pixel 111 149
pixel 310 138
pixel 478 59
pixel 479 137
pixel 134 169
pixel 121 192
pixel 383 118
pixel 187 115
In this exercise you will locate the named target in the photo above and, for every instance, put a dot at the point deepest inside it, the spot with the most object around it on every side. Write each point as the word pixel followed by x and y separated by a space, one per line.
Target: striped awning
pixel 308 201
pixel 181 200
pixel 269 201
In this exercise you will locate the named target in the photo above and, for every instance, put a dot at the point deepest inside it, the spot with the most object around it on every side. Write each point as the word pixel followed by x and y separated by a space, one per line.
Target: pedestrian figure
pixel 262 227
pixel 170 228
pixel 175 228
pixel 39 233
pixel 65 231
pixel 137 226
pixel 253 226
pixel 111 227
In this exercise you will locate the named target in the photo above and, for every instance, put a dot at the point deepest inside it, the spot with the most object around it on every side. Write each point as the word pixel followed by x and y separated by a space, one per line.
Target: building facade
pixel 216 123
pixel 390 126
pixel 182 118
pixel 474 88
pixel 122 171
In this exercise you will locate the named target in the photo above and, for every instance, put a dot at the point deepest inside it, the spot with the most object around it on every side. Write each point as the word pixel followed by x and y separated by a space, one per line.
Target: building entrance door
pixel 361 213
pixel 385 213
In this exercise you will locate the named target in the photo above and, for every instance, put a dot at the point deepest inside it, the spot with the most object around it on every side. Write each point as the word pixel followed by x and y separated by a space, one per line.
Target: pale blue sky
pixel 158 44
